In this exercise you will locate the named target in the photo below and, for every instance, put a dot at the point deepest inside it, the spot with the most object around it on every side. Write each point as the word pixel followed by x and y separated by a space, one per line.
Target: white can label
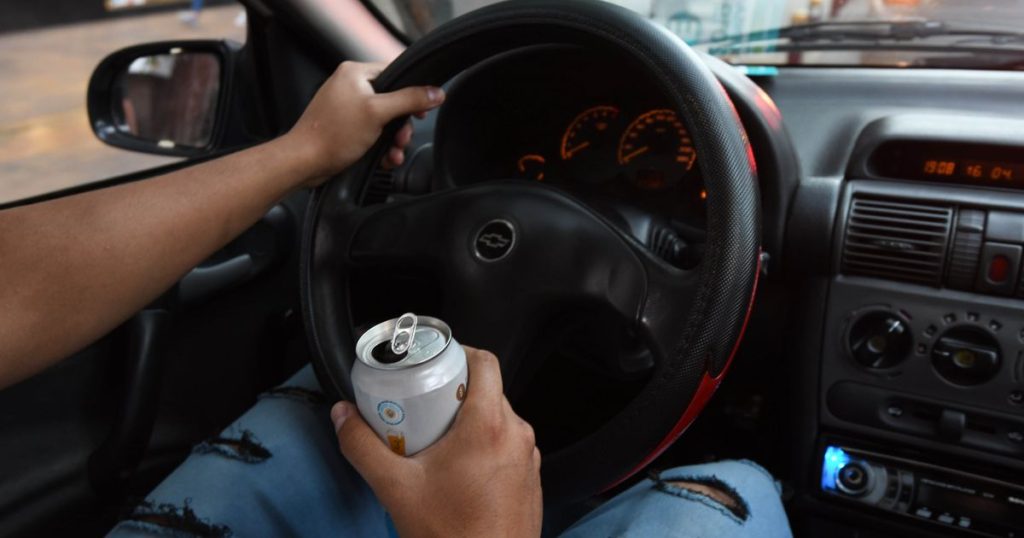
pixel 408 425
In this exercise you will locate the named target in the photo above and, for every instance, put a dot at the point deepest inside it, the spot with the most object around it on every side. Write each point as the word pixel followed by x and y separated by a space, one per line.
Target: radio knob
pixel 880 339
pixel 854 479
pixel 966 356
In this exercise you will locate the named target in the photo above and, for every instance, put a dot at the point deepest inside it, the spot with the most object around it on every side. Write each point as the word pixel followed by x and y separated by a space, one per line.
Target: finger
pixel 485 388
pixel 506 407
pixel 524 429
pixel 536 459
pixel 404 135
pixel 407 101
pixel 364 449
pixel 395 157
pixel 386 162
pixel 529 436
pixel 420 115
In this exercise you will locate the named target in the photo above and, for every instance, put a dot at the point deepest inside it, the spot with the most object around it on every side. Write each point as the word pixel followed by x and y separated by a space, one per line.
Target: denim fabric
pixel 659 508
pixel 277 472
pixel 304 487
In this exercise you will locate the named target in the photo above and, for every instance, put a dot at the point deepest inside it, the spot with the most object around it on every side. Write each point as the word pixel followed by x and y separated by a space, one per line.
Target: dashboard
pixel 579 122
pixel 898 286
pixel 909 220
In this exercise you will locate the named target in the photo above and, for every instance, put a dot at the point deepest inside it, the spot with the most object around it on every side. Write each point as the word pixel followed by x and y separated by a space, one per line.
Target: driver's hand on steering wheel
pixel 481 479
pixel 346 117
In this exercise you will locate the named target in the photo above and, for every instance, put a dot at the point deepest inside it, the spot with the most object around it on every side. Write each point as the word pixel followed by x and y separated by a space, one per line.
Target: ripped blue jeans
pixel 276 471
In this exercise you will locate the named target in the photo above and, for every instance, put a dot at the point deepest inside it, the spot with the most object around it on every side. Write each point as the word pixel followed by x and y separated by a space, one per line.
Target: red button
pixel 999 269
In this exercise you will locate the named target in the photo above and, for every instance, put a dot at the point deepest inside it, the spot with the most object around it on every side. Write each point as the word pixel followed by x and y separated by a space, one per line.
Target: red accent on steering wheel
pixel 706 389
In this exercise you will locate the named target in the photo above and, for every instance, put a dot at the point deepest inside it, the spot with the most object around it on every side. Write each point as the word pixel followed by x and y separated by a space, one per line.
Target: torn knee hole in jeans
pixel 177 520
pixel 707 487
pixel 245 448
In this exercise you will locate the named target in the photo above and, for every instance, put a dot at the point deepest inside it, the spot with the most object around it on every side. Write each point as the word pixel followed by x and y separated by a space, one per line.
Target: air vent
pixel 897 239
pixel 380 185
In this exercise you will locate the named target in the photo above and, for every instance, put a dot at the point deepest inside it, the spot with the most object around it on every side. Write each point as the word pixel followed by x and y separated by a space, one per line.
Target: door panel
pixel 218 351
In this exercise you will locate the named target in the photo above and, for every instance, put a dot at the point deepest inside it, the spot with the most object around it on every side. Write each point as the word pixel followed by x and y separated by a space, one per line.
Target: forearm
pixel 75 268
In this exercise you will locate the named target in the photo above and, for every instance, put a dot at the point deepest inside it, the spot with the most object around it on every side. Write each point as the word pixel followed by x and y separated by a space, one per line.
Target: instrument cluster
pixel 651 150
pixel 576 121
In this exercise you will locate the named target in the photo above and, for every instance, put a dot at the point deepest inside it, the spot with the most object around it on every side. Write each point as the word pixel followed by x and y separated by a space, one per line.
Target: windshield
pixel 902 33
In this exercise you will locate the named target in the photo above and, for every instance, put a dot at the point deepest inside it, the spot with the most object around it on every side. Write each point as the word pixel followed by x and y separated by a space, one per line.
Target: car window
pixel 979 34
pixel 47 57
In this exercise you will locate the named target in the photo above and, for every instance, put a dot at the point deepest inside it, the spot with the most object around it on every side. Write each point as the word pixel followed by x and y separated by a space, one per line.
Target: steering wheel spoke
pixel 400 234
pixel 670 298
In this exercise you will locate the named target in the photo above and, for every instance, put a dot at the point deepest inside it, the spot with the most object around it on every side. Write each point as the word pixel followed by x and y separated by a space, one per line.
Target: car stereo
pixel 944 497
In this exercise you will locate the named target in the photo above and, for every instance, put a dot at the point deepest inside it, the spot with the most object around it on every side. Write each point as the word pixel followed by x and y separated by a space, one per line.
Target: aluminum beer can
pixel 410 378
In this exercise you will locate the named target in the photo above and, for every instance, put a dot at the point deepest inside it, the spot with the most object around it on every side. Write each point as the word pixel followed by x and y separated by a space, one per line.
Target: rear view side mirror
pixel 164 98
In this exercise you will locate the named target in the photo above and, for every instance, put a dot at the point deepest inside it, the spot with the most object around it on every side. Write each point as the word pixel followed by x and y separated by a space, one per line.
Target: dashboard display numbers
pixel 531 166
pixel 949 162
pixel 658 147
pixel 939 168
pixel 995 173
pixel 591 129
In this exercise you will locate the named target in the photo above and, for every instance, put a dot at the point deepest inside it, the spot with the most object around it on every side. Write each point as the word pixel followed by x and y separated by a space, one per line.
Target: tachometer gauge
pixel 588 146
pixel 589 132
pixel 657 148
pixel 531 166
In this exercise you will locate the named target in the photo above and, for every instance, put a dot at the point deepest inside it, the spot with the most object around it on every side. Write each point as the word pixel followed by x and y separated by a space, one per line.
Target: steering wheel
pixel 507 251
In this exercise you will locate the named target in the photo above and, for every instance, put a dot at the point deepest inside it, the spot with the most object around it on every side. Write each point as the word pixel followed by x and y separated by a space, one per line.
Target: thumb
pixel 363 448
pixel 408 101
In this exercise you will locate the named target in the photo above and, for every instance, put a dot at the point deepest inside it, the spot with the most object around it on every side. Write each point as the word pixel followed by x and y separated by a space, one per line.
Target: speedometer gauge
pixel 657 148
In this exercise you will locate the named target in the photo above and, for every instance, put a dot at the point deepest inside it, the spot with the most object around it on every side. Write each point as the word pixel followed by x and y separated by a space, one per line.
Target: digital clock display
pixel 984 171
pixel 971 164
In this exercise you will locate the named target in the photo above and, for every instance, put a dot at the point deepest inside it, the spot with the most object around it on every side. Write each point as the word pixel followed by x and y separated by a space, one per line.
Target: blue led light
pixel 833 461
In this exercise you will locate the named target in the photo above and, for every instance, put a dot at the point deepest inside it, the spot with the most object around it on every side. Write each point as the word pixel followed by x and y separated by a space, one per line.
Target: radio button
pixel 1005 226
pixel 999 269
pixel 947 519
pixel 964 522
pixel 952 424
pixel 999 262
pixel 924 512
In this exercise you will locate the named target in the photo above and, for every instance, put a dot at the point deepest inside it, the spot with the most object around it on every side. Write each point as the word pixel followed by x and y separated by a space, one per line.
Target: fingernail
pixel 435 94
pixel 339 413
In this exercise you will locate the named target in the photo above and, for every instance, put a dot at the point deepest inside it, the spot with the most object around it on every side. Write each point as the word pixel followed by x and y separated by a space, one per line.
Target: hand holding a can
pixel 481 478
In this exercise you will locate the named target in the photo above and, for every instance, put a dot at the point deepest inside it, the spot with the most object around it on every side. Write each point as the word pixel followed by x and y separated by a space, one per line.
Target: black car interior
pixel 881 374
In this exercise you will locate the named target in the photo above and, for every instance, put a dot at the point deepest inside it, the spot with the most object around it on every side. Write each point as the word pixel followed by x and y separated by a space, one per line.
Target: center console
pixel 922 371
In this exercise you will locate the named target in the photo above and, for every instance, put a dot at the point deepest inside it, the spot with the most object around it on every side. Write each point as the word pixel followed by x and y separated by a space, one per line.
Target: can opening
pixel 383 354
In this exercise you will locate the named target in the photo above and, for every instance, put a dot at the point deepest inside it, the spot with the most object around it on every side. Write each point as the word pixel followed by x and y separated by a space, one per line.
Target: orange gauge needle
pixel 640 151
pixel 574 150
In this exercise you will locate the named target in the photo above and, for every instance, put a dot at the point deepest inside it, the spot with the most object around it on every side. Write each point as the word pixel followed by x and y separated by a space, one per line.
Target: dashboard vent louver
pixel 379 187
pixel 897 239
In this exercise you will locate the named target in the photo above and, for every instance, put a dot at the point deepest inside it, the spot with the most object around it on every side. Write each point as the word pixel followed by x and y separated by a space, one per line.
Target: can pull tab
pixel 405 332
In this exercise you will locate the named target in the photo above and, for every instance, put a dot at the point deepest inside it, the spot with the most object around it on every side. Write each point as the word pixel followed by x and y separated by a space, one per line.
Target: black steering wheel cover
pixel 707 339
